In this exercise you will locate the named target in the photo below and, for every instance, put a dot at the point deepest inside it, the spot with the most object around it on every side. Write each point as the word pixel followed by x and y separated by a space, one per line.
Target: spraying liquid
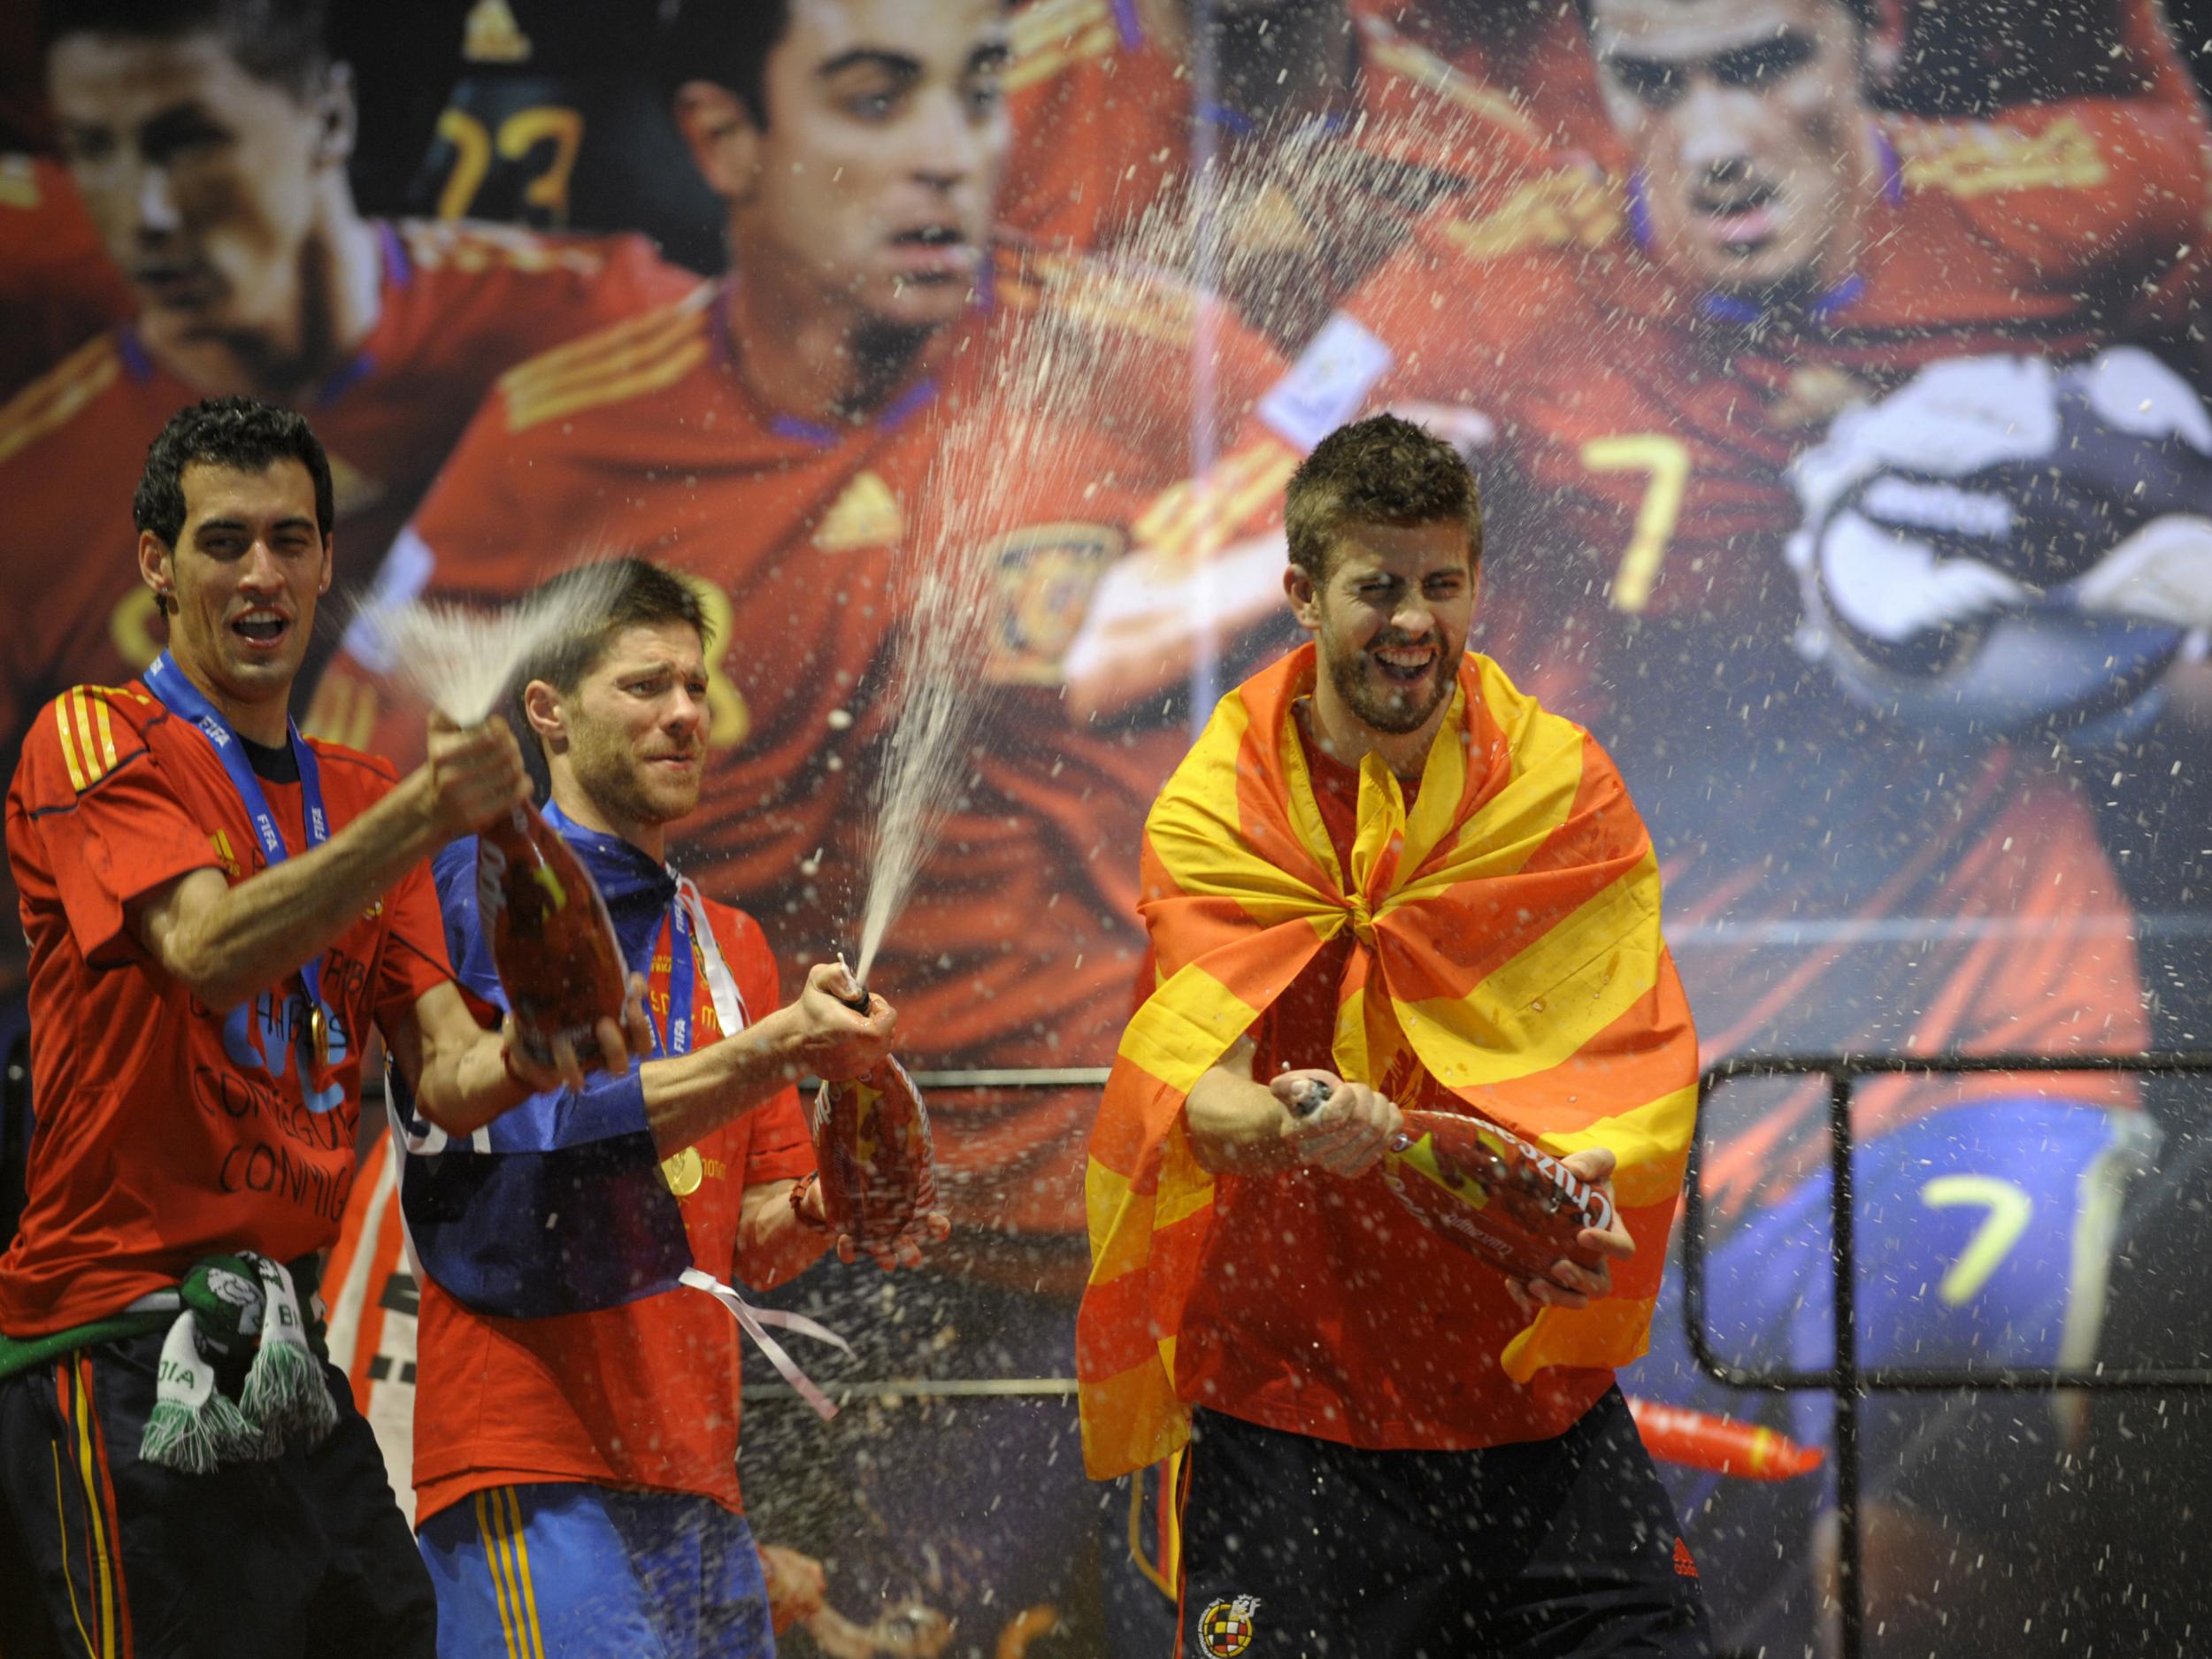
pixel 1250 229
pixel 551 939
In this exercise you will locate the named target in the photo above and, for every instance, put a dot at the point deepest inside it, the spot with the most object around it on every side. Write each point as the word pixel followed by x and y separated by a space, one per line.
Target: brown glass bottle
pixel 552 942
pixel 871 1144
pixel 1485 1189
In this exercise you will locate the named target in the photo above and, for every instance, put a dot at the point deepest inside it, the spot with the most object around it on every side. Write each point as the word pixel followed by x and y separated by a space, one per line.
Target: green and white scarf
pixel 227 1304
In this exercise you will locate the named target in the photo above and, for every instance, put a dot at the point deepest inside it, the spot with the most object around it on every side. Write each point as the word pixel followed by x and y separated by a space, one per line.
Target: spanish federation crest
pixel 1225 1629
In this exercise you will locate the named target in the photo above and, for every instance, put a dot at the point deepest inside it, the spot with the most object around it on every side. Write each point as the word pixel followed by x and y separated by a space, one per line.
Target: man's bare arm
pixel 817 1036
pixel 1237 1126
pixel 225 943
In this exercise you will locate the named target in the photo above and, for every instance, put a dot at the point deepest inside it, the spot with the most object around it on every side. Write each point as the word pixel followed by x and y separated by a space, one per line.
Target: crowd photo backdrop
pixel 1834 372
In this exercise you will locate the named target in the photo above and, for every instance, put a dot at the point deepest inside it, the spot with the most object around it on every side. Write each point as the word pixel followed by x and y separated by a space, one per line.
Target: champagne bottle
pixel 1485 1189
pixel 552 941
pixel 871 1144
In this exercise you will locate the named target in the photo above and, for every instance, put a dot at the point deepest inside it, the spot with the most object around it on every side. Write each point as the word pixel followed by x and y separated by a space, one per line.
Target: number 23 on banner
pixel 473 146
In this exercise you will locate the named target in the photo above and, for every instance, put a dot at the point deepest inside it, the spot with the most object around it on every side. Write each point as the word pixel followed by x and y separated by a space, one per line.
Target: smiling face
pixel 876 176
pixel 202 177
pixel 240 583
pixel 1391 618
pixel 632 737
pixel 1751 132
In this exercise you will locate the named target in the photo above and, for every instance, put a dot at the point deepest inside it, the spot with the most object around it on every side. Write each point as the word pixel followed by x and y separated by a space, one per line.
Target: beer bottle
pixel 1485 1189
pixel 552 941
pixel 871 1145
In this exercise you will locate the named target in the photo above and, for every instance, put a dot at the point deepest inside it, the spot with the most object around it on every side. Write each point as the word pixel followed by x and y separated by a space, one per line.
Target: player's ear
pixel 1304 596
pixel 338 117
pixel 330 563
pixel 541 707
pixel 725 143
pixel 156 570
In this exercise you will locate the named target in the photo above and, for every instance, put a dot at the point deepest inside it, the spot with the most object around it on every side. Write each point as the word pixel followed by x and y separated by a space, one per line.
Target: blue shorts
pixel 1983 1238
pixel 566 1571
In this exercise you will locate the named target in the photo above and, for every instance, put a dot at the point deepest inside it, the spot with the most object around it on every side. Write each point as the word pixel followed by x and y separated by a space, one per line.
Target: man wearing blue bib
pixel 576 1405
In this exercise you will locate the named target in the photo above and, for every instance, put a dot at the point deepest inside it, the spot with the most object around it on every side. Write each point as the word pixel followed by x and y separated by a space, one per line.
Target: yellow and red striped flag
pixel 1507 936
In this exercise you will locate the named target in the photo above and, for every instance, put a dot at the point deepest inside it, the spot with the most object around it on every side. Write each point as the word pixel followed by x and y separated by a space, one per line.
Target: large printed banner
pixel 1835 375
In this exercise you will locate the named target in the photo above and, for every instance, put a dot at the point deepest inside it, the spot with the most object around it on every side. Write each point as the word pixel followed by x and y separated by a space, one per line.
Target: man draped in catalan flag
pixel 1384 870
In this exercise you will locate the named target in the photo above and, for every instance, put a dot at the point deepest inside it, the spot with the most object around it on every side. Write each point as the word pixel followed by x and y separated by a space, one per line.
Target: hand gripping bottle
pixel 551 939
pixel 1485 1189
pixel 871 1145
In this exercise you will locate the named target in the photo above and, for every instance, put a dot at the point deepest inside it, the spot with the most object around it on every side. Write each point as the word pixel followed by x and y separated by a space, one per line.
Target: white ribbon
pixel 729 1007
pixel 753 1321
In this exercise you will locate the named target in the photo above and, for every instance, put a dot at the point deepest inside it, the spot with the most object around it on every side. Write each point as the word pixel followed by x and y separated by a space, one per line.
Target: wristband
pixel 805 1185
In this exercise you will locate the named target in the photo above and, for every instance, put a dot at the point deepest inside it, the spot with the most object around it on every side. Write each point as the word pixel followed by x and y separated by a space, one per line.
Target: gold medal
pixel 319 1033
pixel 683 1172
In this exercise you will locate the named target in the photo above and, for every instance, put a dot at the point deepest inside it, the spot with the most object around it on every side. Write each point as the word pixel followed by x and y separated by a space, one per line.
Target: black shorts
pixel 303 1555
pixel 1302 1549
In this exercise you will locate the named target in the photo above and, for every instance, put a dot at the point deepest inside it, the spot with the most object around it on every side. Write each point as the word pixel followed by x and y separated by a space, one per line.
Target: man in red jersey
pixel 218 913
pixel 576 1403
pixel 1371 841
pixel 1645 360
pixel 209 142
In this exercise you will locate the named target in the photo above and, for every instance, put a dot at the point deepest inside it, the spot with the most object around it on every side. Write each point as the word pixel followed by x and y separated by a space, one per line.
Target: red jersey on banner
pixel 57 287
pixel 168 1131
pixel 1107 115
pixel 1020 947
pixel 641 1395
pixel 459 304
pixel 643 438
pixel 1829 889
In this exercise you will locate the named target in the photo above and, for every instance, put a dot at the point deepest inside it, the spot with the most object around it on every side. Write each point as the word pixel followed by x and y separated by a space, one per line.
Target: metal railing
pixel 1845 1377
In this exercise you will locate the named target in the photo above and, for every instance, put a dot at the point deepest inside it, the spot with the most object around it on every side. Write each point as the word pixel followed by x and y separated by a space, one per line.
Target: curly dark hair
pixel 1378 471
pixel 243 432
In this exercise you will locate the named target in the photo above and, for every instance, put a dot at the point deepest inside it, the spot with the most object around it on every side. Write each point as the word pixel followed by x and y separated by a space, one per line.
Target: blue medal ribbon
pixel 183 698
pixel 682 972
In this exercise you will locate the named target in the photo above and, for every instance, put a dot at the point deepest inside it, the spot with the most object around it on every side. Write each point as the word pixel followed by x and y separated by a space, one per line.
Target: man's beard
pixel 1395 710
pixel 605 770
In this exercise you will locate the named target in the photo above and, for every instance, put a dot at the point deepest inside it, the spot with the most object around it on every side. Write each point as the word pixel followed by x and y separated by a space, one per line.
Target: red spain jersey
pixel 458 304
pixel 641 1395
pixel 57 287
pixel 1019 946
pixel 167 1131
pixel 1832 884
pixel 1107 117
